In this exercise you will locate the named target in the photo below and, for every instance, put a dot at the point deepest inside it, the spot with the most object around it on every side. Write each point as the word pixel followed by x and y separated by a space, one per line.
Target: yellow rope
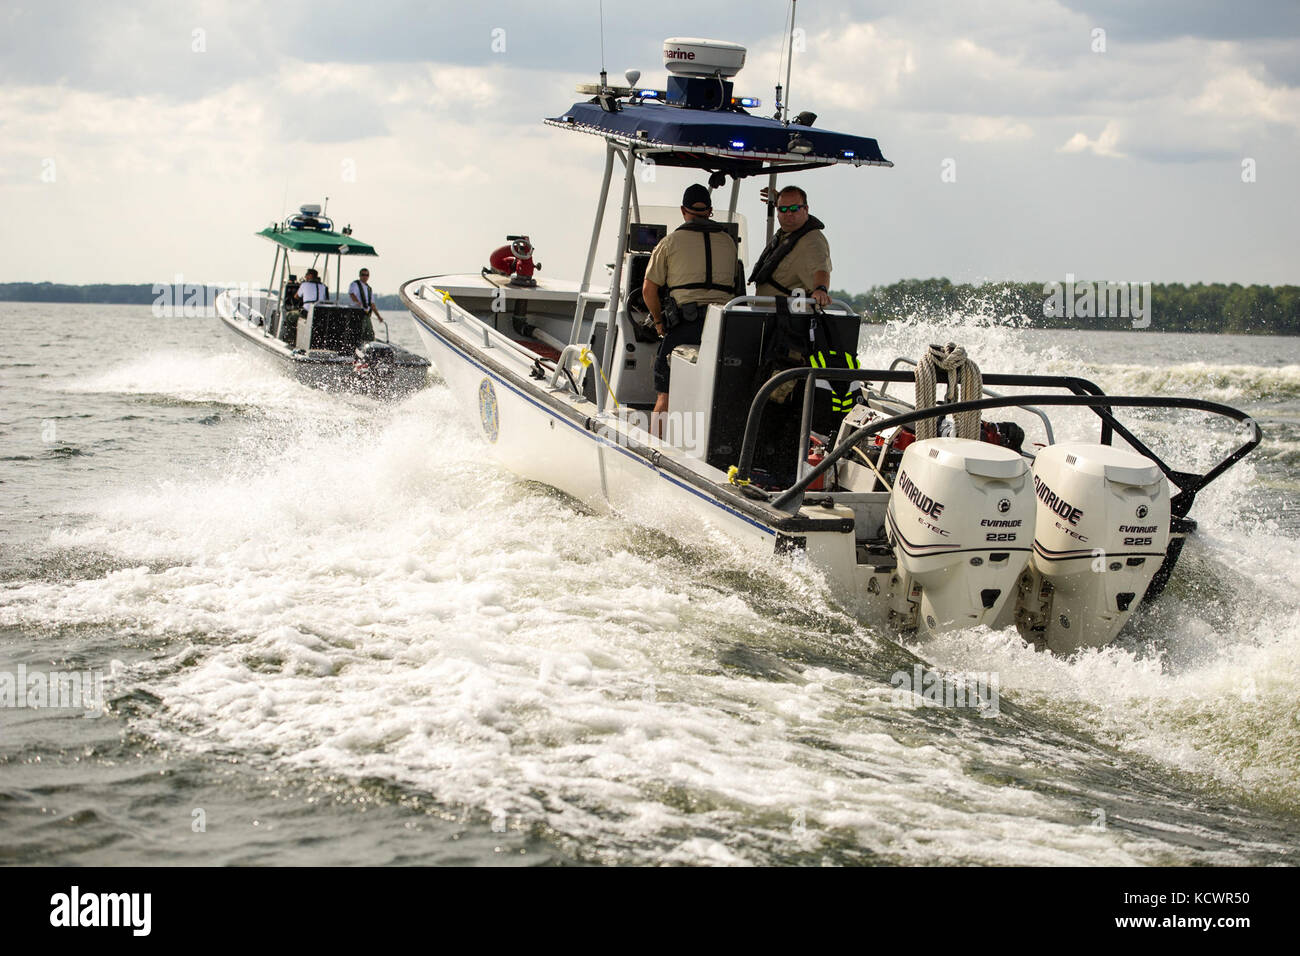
pixel 733 476
pixel 585 358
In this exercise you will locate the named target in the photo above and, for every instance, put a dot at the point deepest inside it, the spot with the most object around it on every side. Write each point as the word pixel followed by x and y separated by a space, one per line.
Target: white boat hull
pixel 329 372
pixel 608 464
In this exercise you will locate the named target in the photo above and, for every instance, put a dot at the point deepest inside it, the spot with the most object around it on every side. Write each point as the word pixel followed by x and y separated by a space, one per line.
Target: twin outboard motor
pixel 961 520
pixel 1101 534
pixel 1072 546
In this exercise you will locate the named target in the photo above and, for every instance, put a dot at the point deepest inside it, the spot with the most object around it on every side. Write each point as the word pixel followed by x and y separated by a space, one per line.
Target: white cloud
pixel 1237 93
pixel 1103 145
pixel 187 154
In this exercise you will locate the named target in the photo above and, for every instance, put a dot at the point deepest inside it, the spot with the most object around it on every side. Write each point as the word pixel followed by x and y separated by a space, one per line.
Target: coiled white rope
pixel 965 384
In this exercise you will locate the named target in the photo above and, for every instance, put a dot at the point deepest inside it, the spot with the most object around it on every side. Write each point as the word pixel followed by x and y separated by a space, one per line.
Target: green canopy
pixel 318 242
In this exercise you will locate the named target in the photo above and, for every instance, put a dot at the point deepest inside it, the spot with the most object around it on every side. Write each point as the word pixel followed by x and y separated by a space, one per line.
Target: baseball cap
pixel 696 198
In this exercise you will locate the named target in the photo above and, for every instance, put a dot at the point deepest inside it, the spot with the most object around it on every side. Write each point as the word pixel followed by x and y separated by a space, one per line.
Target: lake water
pixel 333 632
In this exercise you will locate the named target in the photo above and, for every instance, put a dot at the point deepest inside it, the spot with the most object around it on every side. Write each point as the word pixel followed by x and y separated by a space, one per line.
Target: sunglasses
pixel 795 208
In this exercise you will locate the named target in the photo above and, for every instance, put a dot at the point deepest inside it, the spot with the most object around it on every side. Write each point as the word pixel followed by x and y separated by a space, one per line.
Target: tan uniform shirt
pixel 812 254
pixel 679 258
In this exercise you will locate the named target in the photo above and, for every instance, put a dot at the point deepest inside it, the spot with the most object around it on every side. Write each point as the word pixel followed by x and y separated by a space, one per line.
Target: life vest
pixel 782 245
pixel 705 227
pixel 318 288
pixel 789 341
pixel 842 397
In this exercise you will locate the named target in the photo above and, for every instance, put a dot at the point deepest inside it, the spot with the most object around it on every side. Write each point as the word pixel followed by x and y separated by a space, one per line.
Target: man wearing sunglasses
pixel 798 258
pixel 363 297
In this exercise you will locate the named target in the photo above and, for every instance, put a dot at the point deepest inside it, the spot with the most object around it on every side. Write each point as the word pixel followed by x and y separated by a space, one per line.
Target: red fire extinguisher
pixel 816 452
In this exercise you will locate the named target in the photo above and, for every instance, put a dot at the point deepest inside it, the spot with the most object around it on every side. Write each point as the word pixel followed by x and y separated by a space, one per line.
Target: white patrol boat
pixel 916 521
pixel 329 344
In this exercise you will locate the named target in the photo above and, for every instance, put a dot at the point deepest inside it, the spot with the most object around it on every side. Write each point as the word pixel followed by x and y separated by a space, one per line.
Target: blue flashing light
pixel 750 102
pixel 848 154
pixel 737 144
pixel 648 94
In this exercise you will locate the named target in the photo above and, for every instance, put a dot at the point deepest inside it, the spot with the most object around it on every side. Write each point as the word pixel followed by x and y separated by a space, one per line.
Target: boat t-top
pixel 328 343
pixel 921 514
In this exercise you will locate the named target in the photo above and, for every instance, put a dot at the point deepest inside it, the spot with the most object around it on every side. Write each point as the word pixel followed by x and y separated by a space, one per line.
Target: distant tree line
pixel 57 292
pixel 1250 309
pixel 1173 307
pixel 109 294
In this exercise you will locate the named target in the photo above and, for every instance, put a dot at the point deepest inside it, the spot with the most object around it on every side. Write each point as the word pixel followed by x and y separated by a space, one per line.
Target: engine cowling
pixel 1102 531
pixel 961 521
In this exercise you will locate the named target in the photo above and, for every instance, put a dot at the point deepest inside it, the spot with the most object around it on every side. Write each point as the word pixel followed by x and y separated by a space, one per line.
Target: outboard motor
pixel 374 358
pixel 961 519
pixel 1102 532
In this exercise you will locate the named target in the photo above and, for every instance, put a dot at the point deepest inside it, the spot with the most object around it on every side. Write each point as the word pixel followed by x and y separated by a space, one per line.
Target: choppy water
pixel 344 636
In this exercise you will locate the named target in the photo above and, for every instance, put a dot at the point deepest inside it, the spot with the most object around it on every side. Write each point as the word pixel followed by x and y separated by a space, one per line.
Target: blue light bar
pixel 750 102
pixel 848 153
pixel 649 94
pixel 737 144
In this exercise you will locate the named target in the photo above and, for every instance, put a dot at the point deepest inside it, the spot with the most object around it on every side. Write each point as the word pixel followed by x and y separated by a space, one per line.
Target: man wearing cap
pixel 693 266
pixel 798 257
pixel 312 289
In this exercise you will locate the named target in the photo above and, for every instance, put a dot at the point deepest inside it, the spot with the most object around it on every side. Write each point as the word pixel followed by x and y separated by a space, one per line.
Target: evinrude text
pixel 917 497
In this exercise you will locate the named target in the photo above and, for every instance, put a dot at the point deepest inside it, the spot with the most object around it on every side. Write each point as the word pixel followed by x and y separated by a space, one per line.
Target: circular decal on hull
pixel 487 409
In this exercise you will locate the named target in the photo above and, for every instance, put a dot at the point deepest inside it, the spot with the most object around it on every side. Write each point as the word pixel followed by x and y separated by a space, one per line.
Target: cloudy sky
pixel 1103 138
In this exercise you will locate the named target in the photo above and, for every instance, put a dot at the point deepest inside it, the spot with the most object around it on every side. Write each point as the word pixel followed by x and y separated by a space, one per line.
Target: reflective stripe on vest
pixel 842 397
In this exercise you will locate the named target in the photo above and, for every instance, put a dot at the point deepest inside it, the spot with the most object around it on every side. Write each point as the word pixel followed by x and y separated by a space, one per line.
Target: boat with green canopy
pixel 326 341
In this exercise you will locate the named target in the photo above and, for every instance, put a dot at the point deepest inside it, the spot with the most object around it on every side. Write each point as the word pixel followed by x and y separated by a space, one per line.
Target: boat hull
pixel 556 437
pixel 338 372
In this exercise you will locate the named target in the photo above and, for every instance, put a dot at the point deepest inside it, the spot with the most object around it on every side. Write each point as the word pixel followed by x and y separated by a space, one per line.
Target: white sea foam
pixel 227 378
pixel 365 595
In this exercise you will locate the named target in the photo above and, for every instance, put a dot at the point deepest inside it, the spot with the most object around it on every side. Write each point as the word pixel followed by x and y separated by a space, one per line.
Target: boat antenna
pixel 789 61
pixel 325 208
pixel 603 76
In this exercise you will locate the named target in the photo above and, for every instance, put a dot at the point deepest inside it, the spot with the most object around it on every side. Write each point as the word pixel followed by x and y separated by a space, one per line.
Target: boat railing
pixel 584 355
pixel 453 312
pixel 1085 394
pixel 580 312
pixel 769 301
pixel 494 339
pixel 243 310
pixel 1042 415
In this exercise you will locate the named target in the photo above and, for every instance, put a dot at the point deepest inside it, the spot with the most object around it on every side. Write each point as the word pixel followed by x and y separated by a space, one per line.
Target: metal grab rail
pixel 250 313
pixel 770 300
pixel 562 367
pixel 492 337
pixel 1086 395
